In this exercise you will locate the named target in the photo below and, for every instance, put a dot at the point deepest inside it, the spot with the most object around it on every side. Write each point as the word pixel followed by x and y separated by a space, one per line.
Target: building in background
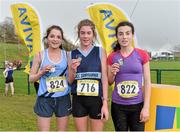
pixel 163 55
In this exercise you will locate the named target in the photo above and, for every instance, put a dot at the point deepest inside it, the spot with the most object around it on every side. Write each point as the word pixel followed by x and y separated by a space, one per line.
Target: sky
pixel 156 22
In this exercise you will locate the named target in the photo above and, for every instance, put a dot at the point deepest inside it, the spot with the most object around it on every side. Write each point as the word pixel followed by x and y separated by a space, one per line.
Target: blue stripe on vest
pixel 95 75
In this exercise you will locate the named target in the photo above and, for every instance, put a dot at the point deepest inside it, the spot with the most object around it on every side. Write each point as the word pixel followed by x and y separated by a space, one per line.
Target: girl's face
pixel 86 35
pixel 54 38
pixel 125 36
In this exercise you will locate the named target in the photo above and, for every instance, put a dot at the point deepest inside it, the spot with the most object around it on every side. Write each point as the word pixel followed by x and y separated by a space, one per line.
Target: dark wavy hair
pixel 116 46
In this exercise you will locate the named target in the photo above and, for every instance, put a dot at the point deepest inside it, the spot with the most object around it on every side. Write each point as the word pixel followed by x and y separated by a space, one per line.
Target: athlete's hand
pixel 144 115
pixel 46 69
pixel 74 64
pixel 115 68
pixel 104 111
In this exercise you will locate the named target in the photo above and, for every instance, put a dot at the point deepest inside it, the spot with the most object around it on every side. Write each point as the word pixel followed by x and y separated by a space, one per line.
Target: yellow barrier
pixel 164 108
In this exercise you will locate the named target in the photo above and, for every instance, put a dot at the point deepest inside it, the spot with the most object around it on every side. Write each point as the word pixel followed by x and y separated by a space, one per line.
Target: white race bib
pixel 56 84
pixel 88 87
pixel 128 89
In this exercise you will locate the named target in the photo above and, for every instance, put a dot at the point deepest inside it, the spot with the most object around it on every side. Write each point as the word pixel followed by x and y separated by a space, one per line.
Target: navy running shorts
pixel 9 80
pixel 87 106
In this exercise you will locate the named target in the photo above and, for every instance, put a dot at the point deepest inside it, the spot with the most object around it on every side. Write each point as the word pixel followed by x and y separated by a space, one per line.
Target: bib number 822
pixel 128 89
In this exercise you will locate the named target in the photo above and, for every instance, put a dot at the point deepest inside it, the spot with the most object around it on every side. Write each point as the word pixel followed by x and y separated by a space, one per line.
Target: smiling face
pixel 125 36
pixel 86 35
pixel 54 38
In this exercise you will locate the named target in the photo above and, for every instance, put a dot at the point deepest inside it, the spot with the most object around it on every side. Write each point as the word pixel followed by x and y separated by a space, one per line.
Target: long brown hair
pixel 48 32
pixel 86 22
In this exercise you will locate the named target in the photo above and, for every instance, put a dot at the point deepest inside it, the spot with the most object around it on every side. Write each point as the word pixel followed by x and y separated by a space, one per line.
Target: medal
pixel 121 62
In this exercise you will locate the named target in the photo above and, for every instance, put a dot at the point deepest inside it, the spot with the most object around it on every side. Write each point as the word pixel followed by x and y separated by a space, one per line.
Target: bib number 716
pixel 87 87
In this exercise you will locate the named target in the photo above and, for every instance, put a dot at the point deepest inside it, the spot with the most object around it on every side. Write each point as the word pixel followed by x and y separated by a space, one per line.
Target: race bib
pixel 88 87
pixel 128 89
pixel 56 84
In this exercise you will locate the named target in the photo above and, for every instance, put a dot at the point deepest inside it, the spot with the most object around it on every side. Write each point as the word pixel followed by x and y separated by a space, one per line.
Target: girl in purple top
pixel 129 68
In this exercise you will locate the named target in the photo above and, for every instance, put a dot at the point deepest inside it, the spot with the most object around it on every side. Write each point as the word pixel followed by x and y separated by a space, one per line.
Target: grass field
pixel 167 77
pixel 16 113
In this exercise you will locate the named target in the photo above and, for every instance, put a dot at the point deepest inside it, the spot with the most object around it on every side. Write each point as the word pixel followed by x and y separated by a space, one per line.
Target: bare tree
pixel 7 31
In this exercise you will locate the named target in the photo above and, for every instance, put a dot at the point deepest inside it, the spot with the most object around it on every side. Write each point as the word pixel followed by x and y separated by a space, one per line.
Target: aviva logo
pixel 164 108
pixel 165 117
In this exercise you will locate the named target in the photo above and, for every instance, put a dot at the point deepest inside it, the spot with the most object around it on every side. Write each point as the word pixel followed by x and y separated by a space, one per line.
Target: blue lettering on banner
pixel 107 14
pixel 27 29
pixel 30 47
pixel 108 25
pixel 24 21
pixel 28 38
pixel 22 11
pixel 30 64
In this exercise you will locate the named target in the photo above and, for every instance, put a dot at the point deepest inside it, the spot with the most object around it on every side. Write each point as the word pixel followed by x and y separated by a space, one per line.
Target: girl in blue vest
pixel 8 74
pixel 88 76
pixel 50 67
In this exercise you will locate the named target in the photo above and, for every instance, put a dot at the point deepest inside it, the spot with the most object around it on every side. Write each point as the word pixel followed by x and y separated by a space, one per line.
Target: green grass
pixel 165 64
pixel 16 113
pixel 167 77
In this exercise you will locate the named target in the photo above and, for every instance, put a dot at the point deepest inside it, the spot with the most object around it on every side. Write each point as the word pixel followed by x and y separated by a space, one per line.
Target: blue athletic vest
pixel 60 70
pixel 89 68
pixel 9 73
